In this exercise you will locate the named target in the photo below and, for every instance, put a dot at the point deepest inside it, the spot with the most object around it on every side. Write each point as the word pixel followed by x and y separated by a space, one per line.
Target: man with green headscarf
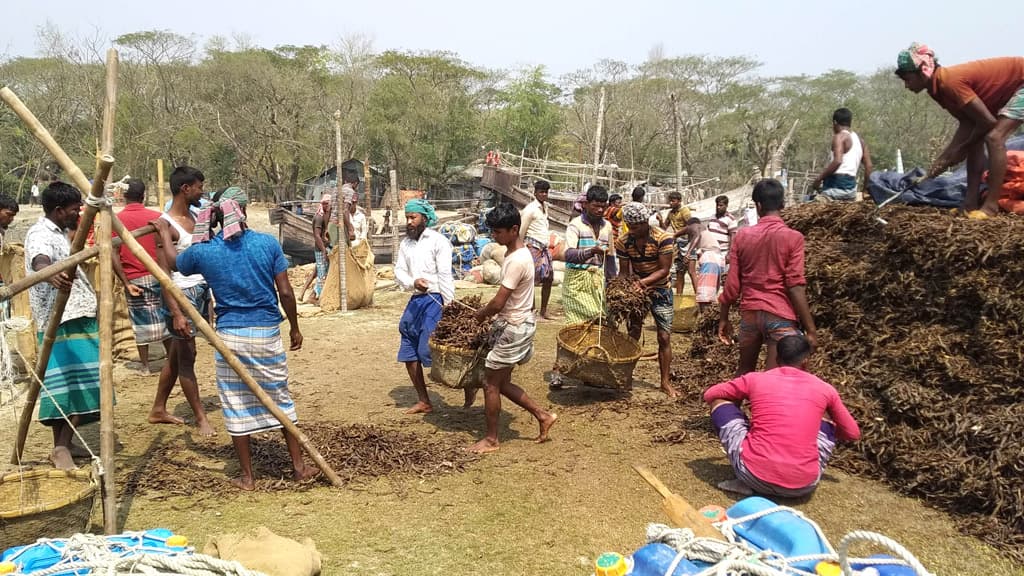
pixel 424 266
pixel 987 97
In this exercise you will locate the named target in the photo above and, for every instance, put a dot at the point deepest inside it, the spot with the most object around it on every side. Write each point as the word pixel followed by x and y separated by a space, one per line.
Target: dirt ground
pixel 527 509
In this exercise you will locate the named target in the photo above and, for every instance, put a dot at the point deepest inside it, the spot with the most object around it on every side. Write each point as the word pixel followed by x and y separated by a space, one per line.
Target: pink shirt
pixel 765 261
pixel 786 408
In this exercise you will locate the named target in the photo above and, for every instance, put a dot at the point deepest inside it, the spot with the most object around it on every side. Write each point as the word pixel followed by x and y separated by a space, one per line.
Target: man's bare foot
pixel 306 473
pixel 735 486
pixel 243 483
pixel 60 457
pixel 164 418
pixel 545 425
pixel 205 430
pixel 470 397
pixel 420 408
pixel 669 391
pixel 485 446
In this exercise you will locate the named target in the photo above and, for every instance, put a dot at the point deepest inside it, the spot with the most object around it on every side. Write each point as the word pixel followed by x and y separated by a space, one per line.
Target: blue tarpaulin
pixel 945 191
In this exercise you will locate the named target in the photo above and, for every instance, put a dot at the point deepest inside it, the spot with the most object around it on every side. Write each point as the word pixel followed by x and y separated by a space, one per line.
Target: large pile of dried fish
pixel 459 328
pixel 625 301
pixel 356 452
pixel 921 328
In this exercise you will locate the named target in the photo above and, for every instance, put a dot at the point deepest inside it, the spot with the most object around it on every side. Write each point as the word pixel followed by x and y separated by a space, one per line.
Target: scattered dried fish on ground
pixel 355 452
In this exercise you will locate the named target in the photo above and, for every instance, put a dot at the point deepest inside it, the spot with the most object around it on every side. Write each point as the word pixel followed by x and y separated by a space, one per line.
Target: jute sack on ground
pixel 263 551
pixel 361 278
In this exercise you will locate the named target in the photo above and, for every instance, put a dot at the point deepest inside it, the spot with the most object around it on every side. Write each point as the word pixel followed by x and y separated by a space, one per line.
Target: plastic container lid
pixel 177 541
pixel 713 513
pixel 826 568
pixel 610 564
pixel 8 567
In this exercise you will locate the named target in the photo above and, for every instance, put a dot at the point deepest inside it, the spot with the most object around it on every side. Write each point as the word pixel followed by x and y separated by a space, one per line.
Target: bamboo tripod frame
pixel 105 246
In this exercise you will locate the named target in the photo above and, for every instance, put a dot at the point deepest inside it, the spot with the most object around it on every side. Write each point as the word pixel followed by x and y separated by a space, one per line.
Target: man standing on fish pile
pixel 767 277
pixel 646 254
pixel 588 240
pixel 849 151
pixel 795 420
pixel 424 266
pixel 987 97
pixel 535 234
pixel 705 250
pixel 674 220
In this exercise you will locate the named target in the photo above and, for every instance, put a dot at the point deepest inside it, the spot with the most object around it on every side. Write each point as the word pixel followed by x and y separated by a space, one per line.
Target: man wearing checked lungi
pixel 424 266
pixel 142 291
pixel 71 394
pixel 249 274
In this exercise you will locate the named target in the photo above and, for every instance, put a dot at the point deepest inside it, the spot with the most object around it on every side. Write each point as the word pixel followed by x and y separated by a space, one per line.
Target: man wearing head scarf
pixel 424 266
pixel 645 255
pixel 987 97
pixel 249 274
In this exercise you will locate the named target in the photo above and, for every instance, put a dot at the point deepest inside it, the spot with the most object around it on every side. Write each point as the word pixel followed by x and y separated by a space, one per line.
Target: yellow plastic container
pixel 826 568
pixel 611 564
pixel 7 567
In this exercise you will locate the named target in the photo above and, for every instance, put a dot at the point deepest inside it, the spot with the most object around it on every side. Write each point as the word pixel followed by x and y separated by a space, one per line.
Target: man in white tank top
pixel 174 229
pixel 839 178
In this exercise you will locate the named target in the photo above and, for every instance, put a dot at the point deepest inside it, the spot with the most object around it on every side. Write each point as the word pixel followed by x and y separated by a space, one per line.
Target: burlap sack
pixel 263 551
pixel 361 279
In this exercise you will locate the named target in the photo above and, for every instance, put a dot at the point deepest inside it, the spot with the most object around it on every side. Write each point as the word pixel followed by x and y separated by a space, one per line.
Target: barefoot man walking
pixel 425 267
pixel 511 337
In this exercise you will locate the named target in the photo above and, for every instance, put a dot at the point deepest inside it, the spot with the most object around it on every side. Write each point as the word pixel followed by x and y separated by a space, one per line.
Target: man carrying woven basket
pixel 424 266
pixel 646 254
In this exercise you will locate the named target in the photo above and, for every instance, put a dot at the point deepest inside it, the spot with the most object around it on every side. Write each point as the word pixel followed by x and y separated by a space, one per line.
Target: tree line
pixel 265 116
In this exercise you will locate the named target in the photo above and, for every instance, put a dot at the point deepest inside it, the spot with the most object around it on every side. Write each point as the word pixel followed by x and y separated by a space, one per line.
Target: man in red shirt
pixel 141 289
pixel 795 420
pixel 987 97
pixel 766 274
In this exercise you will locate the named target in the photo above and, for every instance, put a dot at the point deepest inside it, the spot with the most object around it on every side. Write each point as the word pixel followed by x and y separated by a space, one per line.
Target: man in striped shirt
pixel 722 228
pixel 645 253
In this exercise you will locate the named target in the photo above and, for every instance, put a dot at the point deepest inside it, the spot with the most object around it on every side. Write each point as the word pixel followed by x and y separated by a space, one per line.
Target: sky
pixel 789 37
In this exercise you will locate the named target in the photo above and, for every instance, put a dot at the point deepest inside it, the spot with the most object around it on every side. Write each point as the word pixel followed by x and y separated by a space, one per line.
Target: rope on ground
pixel 735 556
pixel 116 557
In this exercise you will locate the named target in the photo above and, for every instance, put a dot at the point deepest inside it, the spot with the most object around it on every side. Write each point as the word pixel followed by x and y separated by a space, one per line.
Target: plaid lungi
pixel 147 311
pixel 582 294
pixel 322 264
pixel 72 374
pixel 262 353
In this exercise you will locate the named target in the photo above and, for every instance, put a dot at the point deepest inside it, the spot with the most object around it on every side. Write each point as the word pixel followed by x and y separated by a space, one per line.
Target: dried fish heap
pixel 624 301
pixel 459 328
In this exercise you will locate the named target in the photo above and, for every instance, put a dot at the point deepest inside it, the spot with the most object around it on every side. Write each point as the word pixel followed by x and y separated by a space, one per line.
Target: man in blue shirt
pixel 247 272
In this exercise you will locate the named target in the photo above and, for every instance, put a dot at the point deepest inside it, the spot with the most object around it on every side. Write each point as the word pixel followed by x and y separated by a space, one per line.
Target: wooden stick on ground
pixel 679 511
pixel 167 284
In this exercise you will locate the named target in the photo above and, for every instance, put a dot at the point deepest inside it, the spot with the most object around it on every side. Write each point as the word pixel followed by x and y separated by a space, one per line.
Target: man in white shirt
pixel 360 225
pixel 424 266
pixel 34 198
pixel 534 233
pixel 722 228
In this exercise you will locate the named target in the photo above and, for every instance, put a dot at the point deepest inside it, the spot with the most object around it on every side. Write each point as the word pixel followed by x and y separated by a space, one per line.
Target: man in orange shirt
pixel 987 97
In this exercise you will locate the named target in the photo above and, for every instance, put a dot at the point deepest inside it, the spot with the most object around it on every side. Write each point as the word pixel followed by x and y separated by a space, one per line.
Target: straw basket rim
pixel 618 336
pixel 81 474
pixel 454 349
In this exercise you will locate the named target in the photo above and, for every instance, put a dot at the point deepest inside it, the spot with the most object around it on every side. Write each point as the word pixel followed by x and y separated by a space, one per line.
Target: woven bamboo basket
pixel 456 367
pixel 597 355
pixel 45 503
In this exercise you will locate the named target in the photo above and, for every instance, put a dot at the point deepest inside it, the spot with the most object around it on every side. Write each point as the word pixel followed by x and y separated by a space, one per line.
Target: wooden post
pixel 395 211
pixel 679 144
pixel 342 225
pixel 368 191
pixel 105 318
pixel 106 322
pixel 160 184
pixel 597 134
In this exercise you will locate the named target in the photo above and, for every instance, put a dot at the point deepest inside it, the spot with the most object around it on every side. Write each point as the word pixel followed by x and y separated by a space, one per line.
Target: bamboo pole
pixel 105 315
pixel 106 322
pixel 597 134
pixel 342 217
pixel 160 184
pixel 395 211
pixel 368 191
pixel 14 288
pixel 679 144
